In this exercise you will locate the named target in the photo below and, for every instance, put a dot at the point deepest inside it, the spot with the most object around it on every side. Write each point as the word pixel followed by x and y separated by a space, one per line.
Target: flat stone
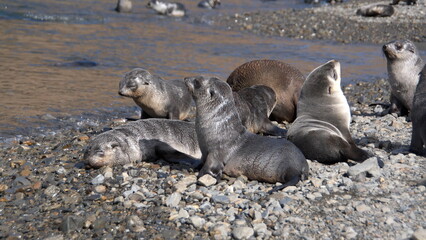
pixel 419 234
pixel 183 184
pixel 71 223
pixel 173 200
pixel 207 180
pixel 362 208
pixel 52 191
pixel 370 166
pixel 135 224
pixel 223 199
pixel 183 213
pixel 242 232
pixel 197 221
pixel 98 179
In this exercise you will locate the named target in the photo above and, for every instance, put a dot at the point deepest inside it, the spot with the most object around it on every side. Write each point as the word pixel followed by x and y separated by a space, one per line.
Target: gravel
pixel 337 22
pixel 46 192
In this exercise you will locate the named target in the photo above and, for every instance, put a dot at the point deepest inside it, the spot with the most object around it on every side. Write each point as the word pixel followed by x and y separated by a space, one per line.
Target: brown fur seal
pixel 418 117
pixel 284 79
pixel 321 129
pixel 124 6
pixel 158 98
pixel 228 147
pixel 404 65
pixel 254 105
pixel 376 10
pixel 144 140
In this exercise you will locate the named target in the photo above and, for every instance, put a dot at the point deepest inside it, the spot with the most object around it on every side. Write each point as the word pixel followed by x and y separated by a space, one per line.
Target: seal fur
pixel 254 105
pixel 173 9
pixel 144 140
pixel 404 65
pixel 158 98
pixel 228 147
pixel 283 78
pixel 321 129
pixel 418 117
pixel 124 6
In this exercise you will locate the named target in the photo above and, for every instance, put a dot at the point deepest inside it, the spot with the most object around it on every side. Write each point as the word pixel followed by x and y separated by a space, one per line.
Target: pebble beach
pixel 48 192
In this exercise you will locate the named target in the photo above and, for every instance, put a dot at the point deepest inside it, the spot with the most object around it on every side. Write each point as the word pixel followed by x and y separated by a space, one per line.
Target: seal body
pixel 376 10
pixel 284 79
pixel 409 2
pixel 254 105
pixel 418 117
pixel 144 140
pixel 321 129
pixel 228 147
pixel 170 9
pixel 210 4
pixel 158 98
pixel 124 6
pixel 404 65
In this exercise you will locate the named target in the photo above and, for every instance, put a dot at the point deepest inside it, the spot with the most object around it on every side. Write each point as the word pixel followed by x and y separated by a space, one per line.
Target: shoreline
pixel 337 22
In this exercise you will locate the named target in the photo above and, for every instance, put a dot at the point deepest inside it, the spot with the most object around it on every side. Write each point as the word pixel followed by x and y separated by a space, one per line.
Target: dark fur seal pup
pixel 284 79
pixel 409 2
pixel 404 65
pixel 144 140
pixel 124 6
pixel 158 98
pixel 169 9
pixel 418 117
pixel 254 105
pixel 210 4
pixel 228 147
pixel 376 10
pixel 321 129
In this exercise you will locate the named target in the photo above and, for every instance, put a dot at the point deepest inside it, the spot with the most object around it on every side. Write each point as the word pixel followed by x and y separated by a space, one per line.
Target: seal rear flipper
pixel 292 182
pixel 270 129
pixel 355 153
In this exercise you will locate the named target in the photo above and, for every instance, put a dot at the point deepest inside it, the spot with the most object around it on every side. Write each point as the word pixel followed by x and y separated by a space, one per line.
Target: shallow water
pixel 61 61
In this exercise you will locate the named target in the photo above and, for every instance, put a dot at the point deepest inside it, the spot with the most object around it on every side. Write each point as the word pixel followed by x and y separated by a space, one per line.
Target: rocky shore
pixel 47 192
pixel 338 22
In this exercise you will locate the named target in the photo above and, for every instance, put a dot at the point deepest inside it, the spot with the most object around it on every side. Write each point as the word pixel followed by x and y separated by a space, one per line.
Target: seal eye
pixel 212 93
pixel 145 83
pixel 114 145
pixel 329 90
pixel 197 84
pixel 398 46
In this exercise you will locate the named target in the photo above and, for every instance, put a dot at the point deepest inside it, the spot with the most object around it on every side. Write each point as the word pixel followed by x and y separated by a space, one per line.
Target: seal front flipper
pixel 212 166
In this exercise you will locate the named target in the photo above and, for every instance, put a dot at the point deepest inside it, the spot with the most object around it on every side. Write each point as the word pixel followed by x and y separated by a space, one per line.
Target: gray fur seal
pixel 321 129
pixel 254 105
pixel 124 6
pixel 404 65
pixel 210 4
pixel 158 98
pixel 168 9
pixel 409 2
pixel 418 117
pixel 284 79
pixel 376 10
pixel 228 147
pixel 144 140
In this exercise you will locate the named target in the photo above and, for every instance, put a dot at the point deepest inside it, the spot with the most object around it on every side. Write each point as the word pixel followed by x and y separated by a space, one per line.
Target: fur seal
pixel 158 98
pixel 228 147
pixel 168 9
pixel 144 140
pixel 376 10
pixel 284 79
pixel 404 65
pixel 210 4
pixel 418 117
pixel 321 129
pixel 409 2
pixel 254 105
pixel 124 6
